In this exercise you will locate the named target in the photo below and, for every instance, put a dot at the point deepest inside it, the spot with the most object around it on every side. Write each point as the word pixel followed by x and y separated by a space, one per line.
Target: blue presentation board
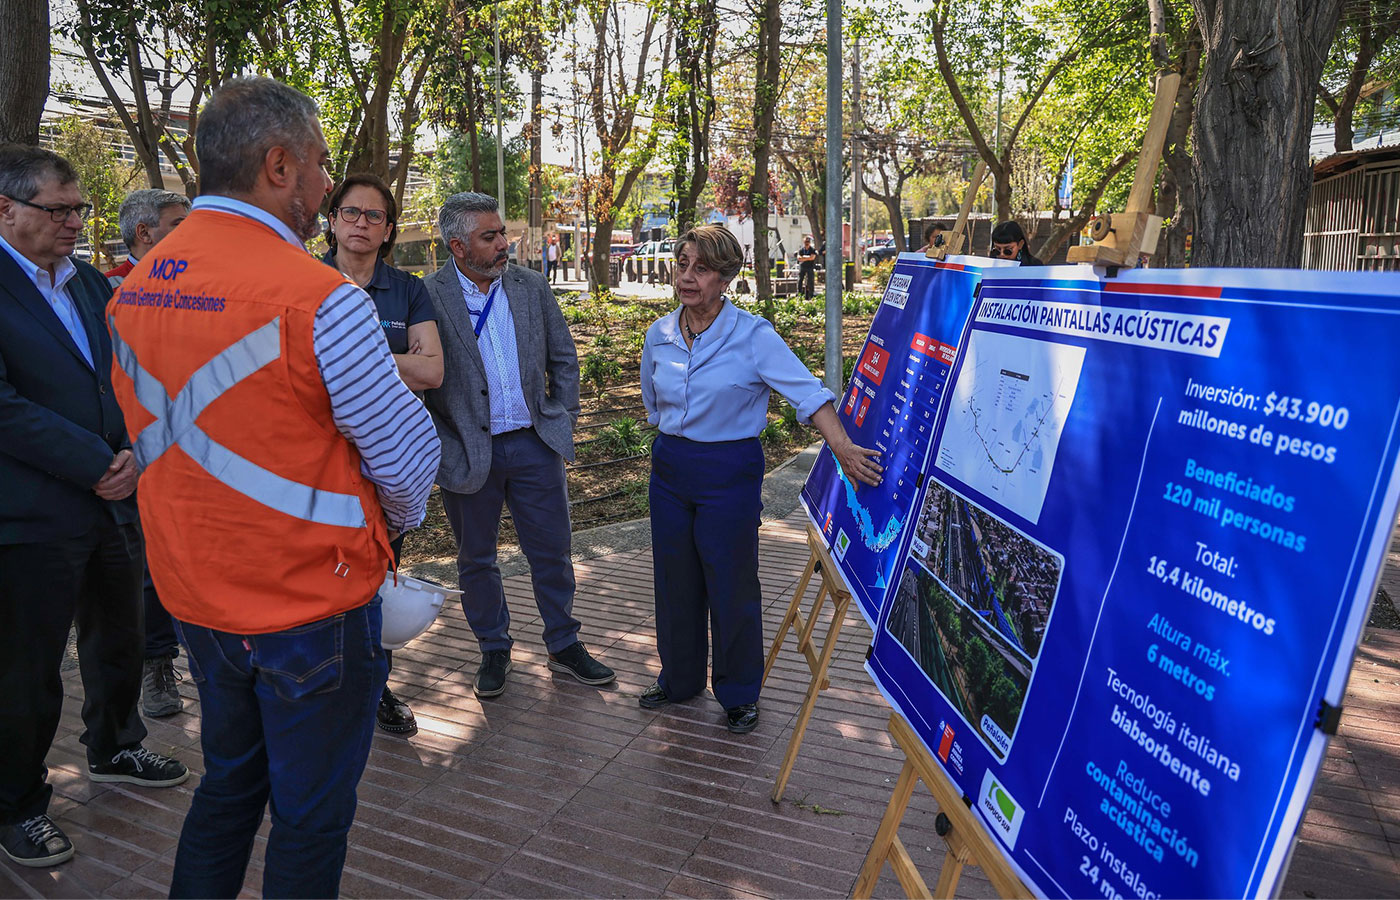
pixel 890 405
pixel 1153 514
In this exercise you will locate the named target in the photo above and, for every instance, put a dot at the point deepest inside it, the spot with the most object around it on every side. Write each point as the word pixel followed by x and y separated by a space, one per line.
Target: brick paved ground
pixel 559 790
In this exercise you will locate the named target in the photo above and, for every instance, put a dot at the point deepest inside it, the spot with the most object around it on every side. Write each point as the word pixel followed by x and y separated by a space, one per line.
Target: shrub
pixel 881 275
pixel 626 437
pixel 772 434
pixel 599 369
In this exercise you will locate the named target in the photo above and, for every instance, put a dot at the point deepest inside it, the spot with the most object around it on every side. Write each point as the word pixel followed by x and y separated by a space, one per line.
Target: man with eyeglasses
pixel 70 545
pixel 146 216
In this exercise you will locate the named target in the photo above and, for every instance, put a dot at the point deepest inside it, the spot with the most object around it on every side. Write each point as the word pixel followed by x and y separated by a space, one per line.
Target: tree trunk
pixel 1254 115
pixel 1176 195
pixel 695 34
pixel 536 210
pixel 770 26
pixel 811 195
pixel 1001 188
pixel 602 253
pixel 24 69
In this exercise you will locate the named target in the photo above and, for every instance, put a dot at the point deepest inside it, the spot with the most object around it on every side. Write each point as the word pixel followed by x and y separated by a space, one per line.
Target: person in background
pixel 1009 242
pixel 933 236
pixel 70 545
pixel 145 217
pixel 707 370
pixel 506 414
pixel 552 258
pixel 363 226
pixel 807 267
pixel 290 454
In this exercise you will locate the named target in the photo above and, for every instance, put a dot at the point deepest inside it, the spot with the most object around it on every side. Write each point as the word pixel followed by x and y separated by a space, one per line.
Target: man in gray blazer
pixel 505 414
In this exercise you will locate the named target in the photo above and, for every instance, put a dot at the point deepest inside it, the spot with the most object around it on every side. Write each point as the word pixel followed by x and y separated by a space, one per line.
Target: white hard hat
pixel 410 606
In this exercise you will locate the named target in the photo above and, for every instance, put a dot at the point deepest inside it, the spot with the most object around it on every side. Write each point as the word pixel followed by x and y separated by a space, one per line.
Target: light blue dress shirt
pixel 499 355
pixel 717 389
pixel 54 290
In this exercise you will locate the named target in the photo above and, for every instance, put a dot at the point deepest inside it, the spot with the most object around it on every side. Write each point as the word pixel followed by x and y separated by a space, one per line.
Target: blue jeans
pixel 287 718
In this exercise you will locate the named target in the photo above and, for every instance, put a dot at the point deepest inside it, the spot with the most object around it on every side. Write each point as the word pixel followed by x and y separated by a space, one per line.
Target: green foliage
pixel 773 434
pixel 451 169
pixel 881 276
pixel 1365 56
pixel 1004 702
pixel 860 303
pixel 788 419
pixel 104 177
pixel 599 370
pixel 980 663
pixel 627 437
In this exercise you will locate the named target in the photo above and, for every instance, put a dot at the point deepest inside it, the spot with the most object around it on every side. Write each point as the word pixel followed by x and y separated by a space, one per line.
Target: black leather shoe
pixel 491 677
pixel 394 716
pixel 36 842
pixel 743 719
pixel 653 697
pixel 574 660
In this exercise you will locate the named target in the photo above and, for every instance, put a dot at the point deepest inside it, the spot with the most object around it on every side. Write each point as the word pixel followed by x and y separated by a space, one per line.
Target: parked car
pixel 882 251
pixel 657 250
pixel 616 253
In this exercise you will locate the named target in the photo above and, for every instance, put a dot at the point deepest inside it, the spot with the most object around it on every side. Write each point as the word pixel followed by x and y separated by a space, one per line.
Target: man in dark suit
pixel 505 414
pixel 70 545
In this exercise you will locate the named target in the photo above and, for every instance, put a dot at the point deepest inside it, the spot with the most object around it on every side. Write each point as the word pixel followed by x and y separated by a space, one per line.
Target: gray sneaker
pixel 160 688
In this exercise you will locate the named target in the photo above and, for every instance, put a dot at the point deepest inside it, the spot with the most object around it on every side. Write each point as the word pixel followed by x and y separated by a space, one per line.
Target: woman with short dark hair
pixel 364 226
pixel 1009 242
pixel 707 370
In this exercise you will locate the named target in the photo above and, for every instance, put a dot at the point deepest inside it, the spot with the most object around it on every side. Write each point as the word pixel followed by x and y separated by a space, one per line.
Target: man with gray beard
pixel 280 454
pixel 505 414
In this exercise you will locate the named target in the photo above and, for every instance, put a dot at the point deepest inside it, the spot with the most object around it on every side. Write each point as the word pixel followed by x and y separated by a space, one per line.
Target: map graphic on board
pixel 1006 415
pixel 890 405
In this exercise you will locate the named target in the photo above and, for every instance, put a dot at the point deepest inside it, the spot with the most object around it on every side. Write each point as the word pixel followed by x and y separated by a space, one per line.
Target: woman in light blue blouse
pixel 707 370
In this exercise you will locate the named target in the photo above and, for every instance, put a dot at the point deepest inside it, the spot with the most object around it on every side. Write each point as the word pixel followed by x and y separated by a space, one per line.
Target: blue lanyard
pixel 485 310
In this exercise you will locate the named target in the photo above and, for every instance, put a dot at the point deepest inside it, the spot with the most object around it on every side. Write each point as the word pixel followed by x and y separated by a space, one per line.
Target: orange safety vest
pixel 256 515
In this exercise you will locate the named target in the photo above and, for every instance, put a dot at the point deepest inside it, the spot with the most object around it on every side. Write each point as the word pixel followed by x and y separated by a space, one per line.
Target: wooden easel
pixel 968 843
pixel 1120 238
pixel 953 241
pixel 819 562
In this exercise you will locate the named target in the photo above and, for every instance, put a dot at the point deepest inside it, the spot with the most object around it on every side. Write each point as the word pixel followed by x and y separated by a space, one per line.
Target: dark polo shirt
pixel 401 300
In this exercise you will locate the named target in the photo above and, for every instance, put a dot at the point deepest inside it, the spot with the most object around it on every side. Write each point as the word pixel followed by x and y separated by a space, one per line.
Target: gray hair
pixel 23 167
pixel 144 208
pixel 458 209
pixel 245 119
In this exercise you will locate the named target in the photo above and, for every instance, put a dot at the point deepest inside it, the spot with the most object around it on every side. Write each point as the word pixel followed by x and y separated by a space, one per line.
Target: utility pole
pixel 832 360
pixel 857 163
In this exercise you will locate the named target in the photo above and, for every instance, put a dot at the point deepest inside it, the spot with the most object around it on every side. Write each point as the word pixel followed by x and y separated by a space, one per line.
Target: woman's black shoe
pixel 743 719
pixel 653 697
pixel 394 715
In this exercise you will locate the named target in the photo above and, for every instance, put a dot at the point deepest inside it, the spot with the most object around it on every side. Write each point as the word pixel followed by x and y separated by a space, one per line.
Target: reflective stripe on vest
pixel 175 424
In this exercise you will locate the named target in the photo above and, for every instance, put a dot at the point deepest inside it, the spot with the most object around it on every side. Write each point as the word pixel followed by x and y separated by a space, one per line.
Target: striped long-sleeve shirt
pixel 372 407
